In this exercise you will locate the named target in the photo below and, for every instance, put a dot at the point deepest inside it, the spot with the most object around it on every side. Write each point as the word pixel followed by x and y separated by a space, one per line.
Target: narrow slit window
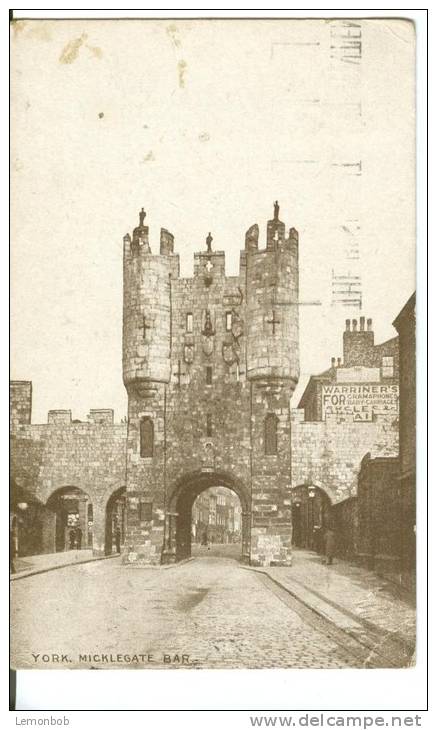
pixel 189 322
pixel 146 438
pixel 228 321
pixel 208 424
pixel 271 434
pixel 209 375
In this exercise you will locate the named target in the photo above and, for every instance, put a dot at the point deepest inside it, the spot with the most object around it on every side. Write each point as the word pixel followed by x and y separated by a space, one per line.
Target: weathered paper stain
pixel 71 50
pixel 150 157
pixel 172 31
pixel 182 68
pixel 96 51
pixel 18 26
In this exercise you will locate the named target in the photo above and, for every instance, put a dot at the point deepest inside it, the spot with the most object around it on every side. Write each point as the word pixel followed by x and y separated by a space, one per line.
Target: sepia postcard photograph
pixel 213 344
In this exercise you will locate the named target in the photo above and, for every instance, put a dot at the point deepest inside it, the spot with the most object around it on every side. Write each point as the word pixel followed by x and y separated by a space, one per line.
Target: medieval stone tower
pixel 209 364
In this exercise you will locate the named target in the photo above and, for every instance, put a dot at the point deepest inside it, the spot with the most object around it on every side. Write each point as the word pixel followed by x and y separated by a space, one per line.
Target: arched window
pixel 146 437
pixel 271 434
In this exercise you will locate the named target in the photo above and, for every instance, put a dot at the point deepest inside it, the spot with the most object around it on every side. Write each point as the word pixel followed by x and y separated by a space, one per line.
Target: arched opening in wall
pixel 70 523
pixel 115 522
pixel 311 517
pixel 26 523
pixel 209 515
pixel 216 529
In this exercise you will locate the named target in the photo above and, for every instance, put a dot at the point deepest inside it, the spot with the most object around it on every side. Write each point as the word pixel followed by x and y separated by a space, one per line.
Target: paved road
pixel 208 612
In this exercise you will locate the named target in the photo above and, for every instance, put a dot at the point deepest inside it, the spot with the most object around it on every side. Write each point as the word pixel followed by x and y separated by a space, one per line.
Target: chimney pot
pixel 348 325
pixel 362 320
pixel 354 325
pixel 369 325
pixel 338 361
pixel 333 362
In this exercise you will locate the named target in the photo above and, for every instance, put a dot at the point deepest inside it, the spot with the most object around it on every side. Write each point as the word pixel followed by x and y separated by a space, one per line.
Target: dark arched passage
pixel 311 515
pixel 178 519
pixel 72 518
pixel 27 522
pixel 115 522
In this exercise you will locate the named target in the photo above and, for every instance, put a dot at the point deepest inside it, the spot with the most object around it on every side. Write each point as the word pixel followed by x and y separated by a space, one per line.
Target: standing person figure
pixel 329 545
pixel 78 538
pixel 317 538
pixel 118 540
pixel 72 537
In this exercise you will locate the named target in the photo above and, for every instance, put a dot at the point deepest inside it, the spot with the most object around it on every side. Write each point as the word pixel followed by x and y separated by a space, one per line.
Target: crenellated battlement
pixel 137 246
pixel 165 315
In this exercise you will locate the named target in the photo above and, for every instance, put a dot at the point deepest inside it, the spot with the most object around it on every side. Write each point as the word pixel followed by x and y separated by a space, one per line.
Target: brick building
pixel 345 412
pixel 385 520
pixel 217 516
pixel 363 456
pixel 405 324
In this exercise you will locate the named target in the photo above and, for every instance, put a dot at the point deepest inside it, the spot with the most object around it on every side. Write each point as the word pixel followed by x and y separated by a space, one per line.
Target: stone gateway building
pixel 210 364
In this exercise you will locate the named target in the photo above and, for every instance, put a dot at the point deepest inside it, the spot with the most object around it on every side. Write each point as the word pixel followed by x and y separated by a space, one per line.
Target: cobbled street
pixel 208 612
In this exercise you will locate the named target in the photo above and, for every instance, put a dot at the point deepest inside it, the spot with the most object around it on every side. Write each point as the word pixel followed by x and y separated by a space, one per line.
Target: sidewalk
pixel 353 598
pixel 32 564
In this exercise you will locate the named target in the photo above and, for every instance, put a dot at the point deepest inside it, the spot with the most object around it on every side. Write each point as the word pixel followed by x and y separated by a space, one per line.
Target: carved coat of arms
pixel 237 327
pixel 188 353
pixel 229 353
pixel 208 333
pixel 208 346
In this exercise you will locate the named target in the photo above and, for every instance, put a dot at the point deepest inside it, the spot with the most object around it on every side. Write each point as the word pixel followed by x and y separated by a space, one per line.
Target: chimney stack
pixel 348 325
pixel 362 320
pixel 338 361
pixel 369 325
pixel 354 325
pixel 333 362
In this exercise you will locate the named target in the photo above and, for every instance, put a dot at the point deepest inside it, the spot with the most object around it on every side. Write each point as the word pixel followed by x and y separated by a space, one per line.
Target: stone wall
pixel 92 457
pixel 20 393
pixel 328 453
pixel 345 524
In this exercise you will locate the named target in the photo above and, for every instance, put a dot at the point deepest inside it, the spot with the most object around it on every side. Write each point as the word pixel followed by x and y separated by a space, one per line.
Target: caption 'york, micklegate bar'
pixel 210 364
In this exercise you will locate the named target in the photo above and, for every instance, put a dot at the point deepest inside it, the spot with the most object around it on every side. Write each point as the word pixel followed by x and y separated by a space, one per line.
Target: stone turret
pixel 209 363
pixel 272 304
pixel 146 309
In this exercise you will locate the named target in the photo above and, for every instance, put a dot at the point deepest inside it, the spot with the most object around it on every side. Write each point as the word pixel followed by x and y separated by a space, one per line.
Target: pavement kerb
pixel 144 566
pixel 292 593
pixel 28 574
pixel 321 613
